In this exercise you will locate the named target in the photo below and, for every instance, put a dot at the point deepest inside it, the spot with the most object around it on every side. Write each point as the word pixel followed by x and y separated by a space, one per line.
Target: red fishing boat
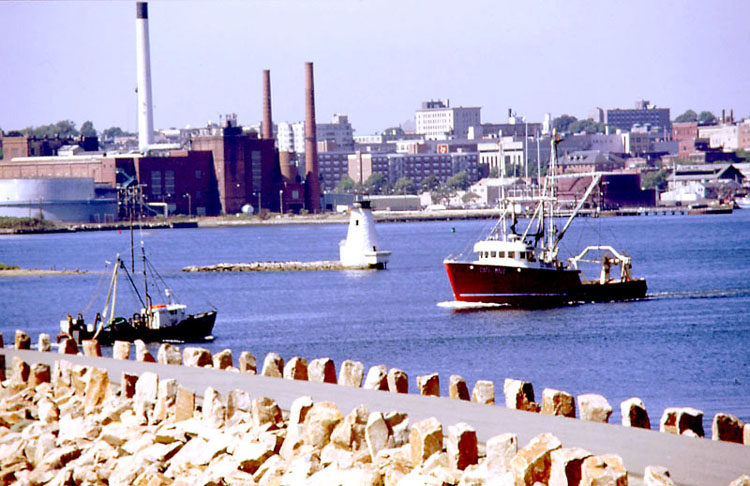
pixel 523 270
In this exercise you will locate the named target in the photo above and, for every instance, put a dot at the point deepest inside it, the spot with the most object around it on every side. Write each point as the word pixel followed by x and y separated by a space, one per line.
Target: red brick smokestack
pixel 312 184
pixel 267 128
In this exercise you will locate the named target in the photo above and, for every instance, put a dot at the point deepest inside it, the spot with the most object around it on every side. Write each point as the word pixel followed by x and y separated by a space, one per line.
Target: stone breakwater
pixel 69 424
pixel 288 266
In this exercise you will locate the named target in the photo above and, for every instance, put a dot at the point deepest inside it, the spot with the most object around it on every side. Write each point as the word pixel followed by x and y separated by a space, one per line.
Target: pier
pixel 691 461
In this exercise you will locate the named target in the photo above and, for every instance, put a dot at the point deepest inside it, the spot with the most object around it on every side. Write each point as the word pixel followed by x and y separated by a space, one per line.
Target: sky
pixel 375 61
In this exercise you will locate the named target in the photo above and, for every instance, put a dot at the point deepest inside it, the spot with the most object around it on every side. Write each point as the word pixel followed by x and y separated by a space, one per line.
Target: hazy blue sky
pixel 374 60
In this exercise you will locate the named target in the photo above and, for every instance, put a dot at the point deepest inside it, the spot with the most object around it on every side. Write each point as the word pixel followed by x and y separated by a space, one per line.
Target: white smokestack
pixel 143 60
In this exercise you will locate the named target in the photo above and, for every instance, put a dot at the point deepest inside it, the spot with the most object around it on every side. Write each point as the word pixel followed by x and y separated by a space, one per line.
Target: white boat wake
pixel 457 305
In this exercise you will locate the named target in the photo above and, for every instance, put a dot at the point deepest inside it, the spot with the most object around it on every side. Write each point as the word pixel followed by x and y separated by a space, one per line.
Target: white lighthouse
pixel 360 249
pixel 143 60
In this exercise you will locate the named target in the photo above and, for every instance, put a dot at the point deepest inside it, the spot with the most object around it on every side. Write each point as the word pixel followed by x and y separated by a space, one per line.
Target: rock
pixel 48 411
pixel 296 369
pixel 594 408
pixel 603 470
pixel 43 343
pixel 743 480
pixel 169 354
pixel 165 399
pixel 683 421
pixel 500 450
pixel 398 423
pixel 68 346
pixel 91 347
pixel 532 463
pixel 142 353
pixel 97 388
pixel 196 357
pixel 746 434
pixel 376 434
pixel 519 395
pixel 461 446
pixel 248 363
pixel 319 423
pixel 23 340
pixel 21 371
pixel 565 466
pixel 377 378
pixel 223 359
pixel 634 414
pixel 657 476
pixel 298 410
pixel 425 439
pixel 483 392
pixel 184 404
pixel 557 402
pixel 39 373
pixel 238 400
pixel 727 428
pixel 78 379
pixel 251 456
pixel 457 388
pixel 127 385
pixel 398 381
pixel 351 373
pixel 214 410
pixel 273 365
pixel 322 370
pixel 429 385
pixel 146 391
pixel 121 350
pixel 265 411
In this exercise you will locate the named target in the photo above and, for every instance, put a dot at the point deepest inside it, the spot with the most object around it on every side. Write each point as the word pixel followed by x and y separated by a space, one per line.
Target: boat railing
pixel 606 262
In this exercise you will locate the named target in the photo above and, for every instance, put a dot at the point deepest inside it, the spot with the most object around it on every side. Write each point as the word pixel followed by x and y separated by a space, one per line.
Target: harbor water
pixel 687 344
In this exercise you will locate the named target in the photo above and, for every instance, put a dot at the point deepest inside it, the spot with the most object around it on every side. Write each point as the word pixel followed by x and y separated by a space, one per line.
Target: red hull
pixel 533 287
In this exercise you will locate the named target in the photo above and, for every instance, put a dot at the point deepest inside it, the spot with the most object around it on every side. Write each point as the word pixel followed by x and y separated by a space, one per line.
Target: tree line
pixel 67 129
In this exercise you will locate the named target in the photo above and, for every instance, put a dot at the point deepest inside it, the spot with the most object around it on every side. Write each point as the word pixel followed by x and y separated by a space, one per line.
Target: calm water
pixel 687 345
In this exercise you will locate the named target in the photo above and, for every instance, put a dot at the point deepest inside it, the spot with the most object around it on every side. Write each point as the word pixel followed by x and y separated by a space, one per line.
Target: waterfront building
pixel 587 161
pixel 246 167
pixel 702 182
pixel 332 166
pixel 644 113
pixel 684 130
pixel 414 166
pixel 438 121
pixel 338 131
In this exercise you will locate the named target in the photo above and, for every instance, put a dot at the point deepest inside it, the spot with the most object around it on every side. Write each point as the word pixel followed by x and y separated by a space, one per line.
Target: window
pixel 511 254
pixel 493 254
pixel 501 254
pixel 169 181
pixel 198 174
pixel 156 183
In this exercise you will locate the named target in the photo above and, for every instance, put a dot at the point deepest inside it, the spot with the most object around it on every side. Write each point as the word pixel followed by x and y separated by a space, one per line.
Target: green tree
pixel 587 126
pixel 458 182
pixel 429 183
pixel 87 129
pixel 688 116
pixel 562 123
pixel 706 117
pixel 405 186
pixel 655 179
pixel 63 128
pixel 375 184
pixel 346 185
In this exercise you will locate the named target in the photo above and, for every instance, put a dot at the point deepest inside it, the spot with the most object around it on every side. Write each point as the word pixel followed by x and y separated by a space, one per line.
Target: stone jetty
pixel 75 419
pixel 287 266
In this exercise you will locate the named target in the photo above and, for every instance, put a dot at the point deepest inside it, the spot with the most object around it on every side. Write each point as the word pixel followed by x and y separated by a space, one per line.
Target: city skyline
pixel 375 62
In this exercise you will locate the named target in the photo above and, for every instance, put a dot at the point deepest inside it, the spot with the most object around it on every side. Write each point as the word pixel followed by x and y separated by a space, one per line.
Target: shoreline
pixel 337 218
pixel 36 272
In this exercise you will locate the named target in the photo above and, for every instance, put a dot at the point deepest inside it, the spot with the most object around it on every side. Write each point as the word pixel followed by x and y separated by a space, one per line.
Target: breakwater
pixel 286 266
pixel 287 377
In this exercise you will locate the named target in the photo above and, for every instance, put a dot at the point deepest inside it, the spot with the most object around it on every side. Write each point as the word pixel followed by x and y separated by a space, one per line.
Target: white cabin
pixel 512 253
pixel 360 249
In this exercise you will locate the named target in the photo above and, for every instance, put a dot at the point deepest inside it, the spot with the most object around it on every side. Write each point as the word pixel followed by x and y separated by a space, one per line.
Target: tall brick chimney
pixel 267 128
pixel 312 184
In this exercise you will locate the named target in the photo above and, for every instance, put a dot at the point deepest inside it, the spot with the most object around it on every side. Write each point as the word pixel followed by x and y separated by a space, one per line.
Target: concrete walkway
pixel 691 461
